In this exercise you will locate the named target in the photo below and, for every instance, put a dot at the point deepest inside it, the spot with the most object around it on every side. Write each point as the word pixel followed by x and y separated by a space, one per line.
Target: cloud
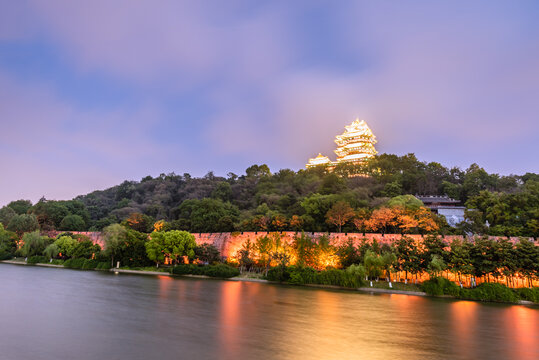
pixel 176 44
pixel 54 149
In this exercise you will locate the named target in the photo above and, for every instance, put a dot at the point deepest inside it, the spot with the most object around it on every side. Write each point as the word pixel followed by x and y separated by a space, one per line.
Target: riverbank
pixel 371 290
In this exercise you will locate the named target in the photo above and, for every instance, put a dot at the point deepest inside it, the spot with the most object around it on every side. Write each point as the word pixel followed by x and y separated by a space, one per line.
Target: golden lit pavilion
pixel 355 146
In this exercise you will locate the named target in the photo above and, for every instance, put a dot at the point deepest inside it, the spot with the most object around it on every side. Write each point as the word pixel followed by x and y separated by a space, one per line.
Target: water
pixel 67 314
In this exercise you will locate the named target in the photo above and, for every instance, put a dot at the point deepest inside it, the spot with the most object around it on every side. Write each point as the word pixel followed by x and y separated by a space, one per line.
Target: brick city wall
pixel 229 243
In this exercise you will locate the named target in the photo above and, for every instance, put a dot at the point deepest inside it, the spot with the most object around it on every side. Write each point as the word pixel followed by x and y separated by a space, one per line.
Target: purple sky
pixel 96 92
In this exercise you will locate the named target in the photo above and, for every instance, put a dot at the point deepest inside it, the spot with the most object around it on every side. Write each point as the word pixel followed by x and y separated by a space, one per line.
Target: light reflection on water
pixel 49 312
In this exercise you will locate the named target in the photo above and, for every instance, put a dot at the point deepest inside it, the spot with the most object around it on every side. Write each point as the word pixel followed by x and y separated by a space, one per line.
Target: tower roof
pixel 319 160
pixel 354 146
pixel 358 128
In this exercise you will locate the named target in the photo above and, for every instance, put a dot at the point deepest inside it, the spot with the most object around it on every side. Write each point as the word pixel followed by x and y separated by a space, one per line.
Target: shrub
pixel 103 265
pixel 440 286
pixel 298 275
pixel 37 259
pixel 528 294
pixel 186 269
pixel 221 271
pixel 89 264
pixel 4 255
pixel 218 271
pixel 74 263
pixel 489 292
pixel 338 278
pixel 279 274
pixel 296 279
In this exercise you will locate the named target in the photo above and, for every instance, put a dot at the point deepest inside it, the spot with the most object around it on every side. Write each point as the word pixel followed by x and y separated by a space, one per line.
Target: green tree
pixel 49 213
pixel 373 263
pixel 245 255
pixel 222 192
pixel 33 244
pixel 72 223
pixel 132 251
pixel 20 206
pixel 85 249
pixel 264 247
pixel 407 202
pixel 528 259
pixel 208 215
pixel 316 206
pixel 114 236
pixel 21 224
pixel 436 266
pixel 408 255
pixel 460 261
pixel 349 254
pixel 51 251
pixel 482 255
pixel 389 261
pixel 302 246
pixel 65 246
pixel 6 214
pixel 207 253
pixel 258 171
pixel 8 243
pixel 174 244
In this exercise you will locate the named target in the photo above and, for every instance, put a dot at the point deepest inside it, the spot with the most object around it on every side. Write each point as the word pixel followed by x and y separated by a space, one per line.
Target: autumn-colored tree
pixel 362 215
pixel 426 220
pixel 159 225
pixel 381 219
pixel 296 222
pixel 279 222
pixel 324 253
pixel 405 219
pixel 139 222
pixel 339 214
pixel 261 222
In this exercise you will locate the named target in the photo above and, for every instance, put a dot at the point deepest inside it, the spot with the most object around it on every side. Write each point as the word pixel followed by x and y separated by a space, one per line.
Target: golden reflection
pixel 464 326
pixel 230 318
pixel 522 328
pixel 165 282
pixel 405 303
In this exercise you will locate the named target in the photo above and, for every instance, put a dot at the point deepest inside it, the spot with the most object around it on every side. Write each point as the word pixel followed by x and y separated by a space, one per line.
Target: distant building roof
pixel 437 199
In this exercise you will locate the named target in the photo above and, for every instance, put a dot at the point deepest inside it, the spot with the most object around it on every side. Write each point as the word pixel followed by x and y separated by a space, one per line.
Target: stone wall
pixel 229 243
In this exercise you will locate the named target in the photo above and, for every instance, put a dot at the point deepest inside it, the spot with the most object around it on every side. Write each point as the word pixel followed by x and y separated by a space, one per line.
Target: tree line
pixel 309 200
pixel 481 260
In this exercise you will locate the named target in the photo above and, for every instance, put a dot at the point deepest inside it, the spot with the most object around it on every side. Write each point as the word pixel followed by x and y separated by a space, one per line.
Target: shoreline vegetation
pixel 437 287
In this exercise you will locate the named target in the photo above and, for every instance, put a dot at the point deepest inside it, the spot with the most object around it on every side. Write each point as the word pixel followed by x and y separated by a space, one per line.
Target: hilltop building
pixel 446 206
pixel 355 146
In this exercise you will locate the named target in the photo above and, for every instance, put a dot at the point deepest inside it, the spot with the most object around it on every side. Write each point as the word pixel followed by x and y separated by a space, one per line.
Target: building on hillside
pixel 355 146
pixel 446 206
pixel 319 160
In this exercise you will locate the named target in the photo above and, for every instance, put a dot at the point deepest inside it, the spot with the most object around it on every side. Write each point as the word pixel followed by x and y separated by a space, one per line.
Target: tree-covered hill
pixel 304 200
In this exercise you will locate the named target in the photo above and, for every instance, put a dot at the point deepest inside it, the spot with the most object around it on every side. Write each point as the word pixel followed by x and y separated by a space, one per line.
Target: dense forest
pixel 373 197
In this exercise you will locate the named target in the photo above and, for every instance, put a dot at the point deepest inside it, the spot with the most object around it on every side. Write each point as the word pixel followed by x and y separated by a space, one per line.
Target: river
pixel 48 313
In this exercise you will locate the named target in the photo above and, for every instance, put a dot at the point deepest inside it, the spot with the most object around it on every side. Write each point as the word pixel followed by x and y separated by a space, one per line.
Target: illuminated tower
pixel 356 144
pixel 317 161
